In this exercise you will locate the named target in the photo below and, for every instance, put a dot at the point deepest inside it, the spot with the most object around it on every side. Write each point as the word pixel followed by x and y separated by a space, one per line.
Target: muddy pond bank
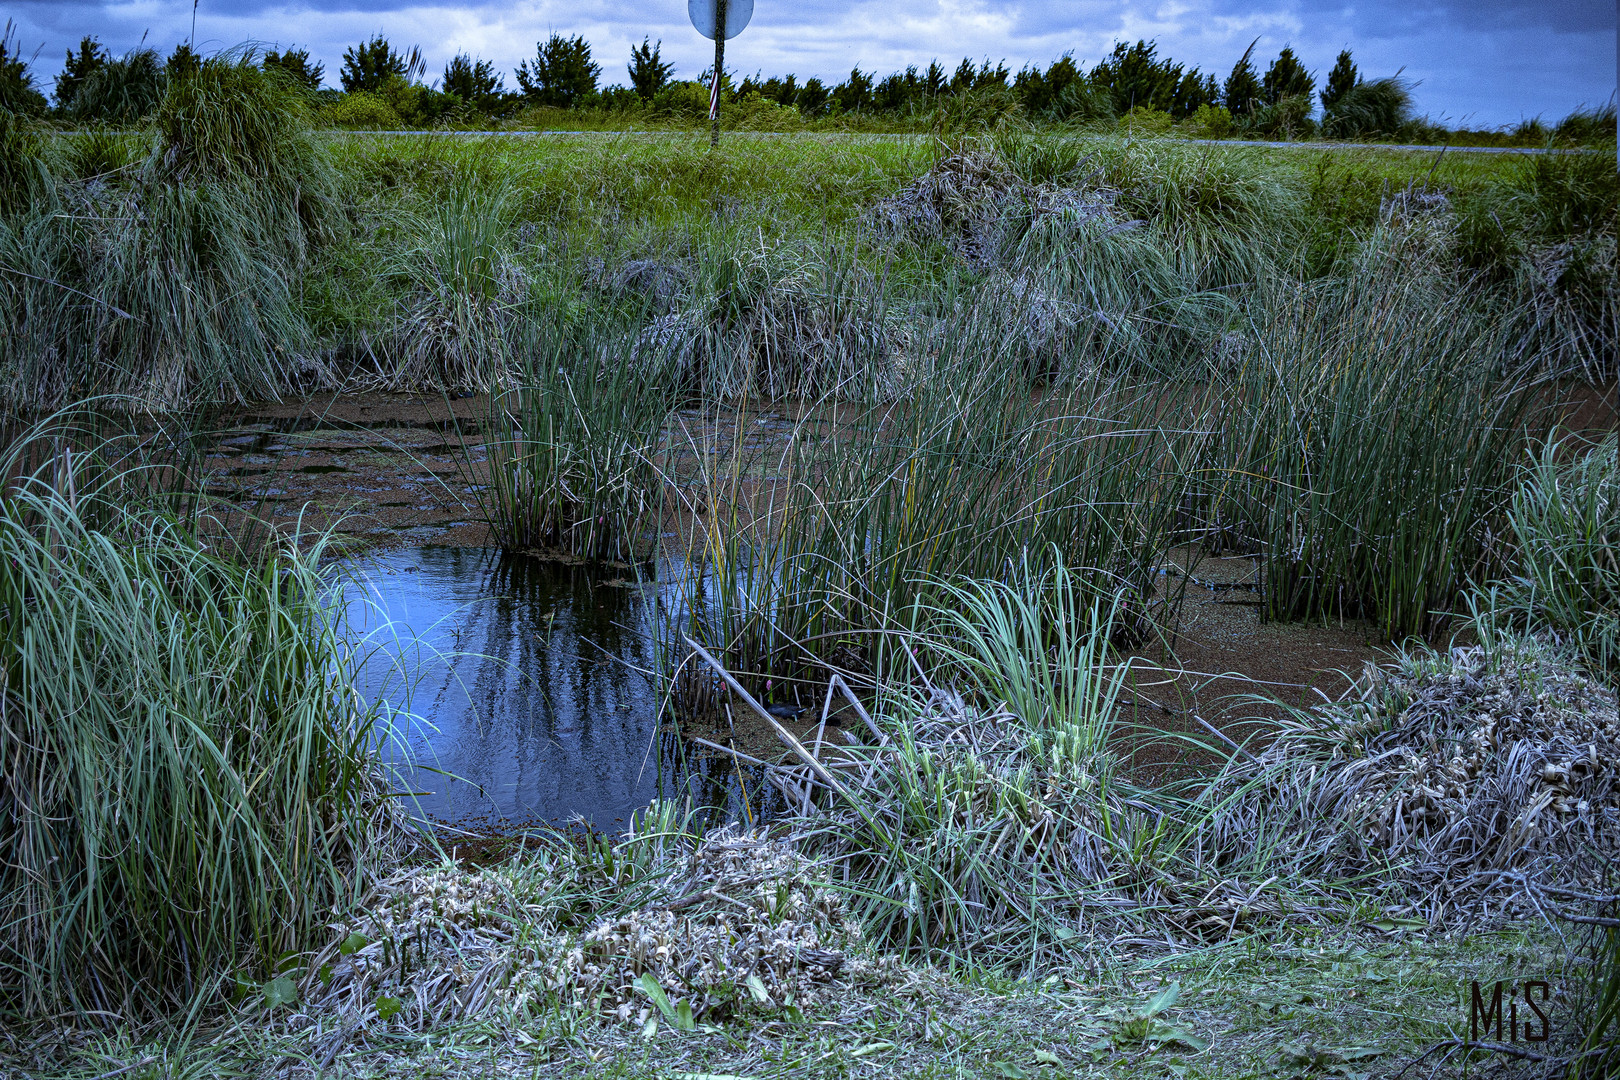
pixel 535 692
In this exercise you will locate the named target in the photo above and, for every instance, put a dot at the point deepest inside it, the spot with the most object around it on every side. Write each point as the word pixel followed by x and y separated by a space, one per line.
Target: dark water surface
pixel 530 686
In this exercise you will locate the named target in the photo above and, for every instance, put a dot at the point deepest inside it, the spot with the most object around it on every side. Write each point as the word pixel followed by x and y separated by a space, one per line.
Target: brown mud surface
pixel 382 469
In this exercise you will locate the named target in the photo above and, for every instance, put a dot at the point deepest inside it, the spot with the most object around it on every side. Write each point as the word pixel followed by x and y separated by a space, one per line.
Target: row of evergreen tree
pixel 94 84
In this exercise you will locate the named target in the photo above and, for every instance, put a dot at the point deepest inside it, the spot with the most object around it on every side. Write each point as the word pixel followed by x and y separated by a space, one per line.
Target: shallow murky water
pixel 528 687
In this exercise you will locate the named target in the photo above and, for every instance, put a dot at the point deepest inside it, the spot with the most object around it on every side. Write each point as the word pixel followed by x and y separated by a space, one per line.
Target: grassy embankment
pixel 1013 355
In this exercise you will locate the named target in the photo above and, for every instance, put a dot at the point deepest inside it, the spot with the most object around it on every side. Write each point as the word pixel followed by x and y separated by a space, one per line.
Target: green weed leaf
pixel 280 991
pixel 870 1048
pixel 1163 1000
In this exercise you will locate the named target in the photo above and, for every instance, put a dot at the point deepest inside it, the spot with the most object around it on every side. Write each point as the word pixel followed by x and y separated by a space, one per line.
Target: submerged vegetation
pixel 940 426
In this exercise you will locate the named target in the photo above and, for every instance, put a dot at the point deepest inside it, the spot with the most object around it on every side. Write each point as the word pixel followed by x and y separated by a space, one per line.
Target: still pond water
pixel 525 687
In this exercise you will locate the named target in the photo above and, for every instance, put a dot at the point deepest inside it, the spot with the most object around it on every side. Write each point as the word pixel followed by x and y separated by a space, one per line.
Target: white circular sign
pixel 738 12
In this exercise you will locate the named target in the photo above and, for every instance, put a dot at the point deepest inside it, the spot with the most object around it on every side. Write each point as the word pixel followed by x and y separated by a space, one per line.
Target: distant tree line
pixel 383 85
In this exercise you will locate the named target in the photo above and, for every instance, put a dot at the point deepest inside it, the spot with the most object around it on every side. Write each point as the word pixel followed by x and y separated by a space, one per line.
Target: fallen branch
pixel 783 733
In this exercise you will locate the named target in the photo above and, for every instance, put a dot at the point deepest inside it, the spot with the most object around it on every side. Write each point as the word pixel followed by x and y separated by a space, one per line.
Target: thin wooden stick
pixel 783 733
pixel 732 751
pixel 849 695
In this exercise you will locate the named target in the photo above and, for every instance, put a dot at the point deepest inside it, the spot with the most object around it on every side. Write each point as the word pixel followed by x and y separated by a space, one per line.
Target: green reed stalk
pixel 572 448
pixel 1367 443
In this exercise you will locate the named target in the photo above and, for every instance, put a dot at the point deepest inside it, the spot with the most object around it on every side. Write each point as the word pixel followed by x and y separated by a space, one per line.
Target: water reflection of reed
pixel 534 684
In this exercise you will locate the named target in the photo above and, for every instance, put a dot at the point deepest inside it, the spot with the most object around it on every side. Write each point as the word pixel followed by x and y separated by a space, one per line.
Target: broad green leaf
pixel 353 944
pixel 1165 1034
pixel 1163 1000
pixel 1359 1053
pixel 1046 1057
pixel 870 1048
pixel 388 1008
pixel 649 986
pixel 280 991
pixel 757 988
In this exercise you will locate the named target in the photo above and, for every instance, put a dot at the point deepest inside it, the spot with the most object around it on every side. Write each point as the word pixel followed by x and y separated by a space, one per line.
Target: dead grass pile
pixel 1416 234
pixel 1047 328
pixel 985 832
pixel 432 945
pixel 446 338
pixel 460 296
pixel 1450 768
pixel 975 203
pixel 657 283
pixel 747 921
pixel 729 922
pixel 1001 832
pixel 777 323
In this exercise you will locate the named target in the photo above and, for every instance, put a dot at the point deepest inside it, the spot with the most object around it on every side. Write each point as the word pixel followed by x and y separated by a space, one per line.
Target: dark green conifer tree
pixel 1341 80
pixel 854 94
pixel 648 72
pixel 1134 75
pixel 563 73
pixel 90 58
pixel 294 66
pixel 183 61
pixel 1286 77
pixel 475 82
pixel 370 64
pixel 1241 93
pixel 17 92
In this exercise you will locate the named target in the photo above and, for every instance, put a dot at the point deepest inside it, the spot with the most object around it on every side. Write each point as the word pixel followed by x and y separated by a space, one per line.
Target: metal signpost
pixel 718 19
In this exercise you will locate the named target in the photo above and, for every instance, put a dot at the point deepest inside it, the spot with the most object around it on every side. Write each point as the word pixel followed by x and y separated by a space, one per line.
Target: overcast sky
pixel 1477 62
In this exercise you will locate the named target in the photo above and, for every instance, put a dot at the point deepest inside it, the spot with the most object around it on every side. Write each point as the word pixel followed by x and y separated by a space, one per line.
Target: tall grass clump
pixel 461 294
pixel 992 820
pixel 23 168
pixel 175 280
pixel 810 552
pixel 993 809
pixel 1226 215
pixel 125 90
pixel 776 319
pixel 1541 243
pixel 191 784
pixel 573 444
pixel 1029 239
pixel 1379 108
pixel 1588 126
pixel 1565 575
pixel 1366 445
pixel 1096 291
